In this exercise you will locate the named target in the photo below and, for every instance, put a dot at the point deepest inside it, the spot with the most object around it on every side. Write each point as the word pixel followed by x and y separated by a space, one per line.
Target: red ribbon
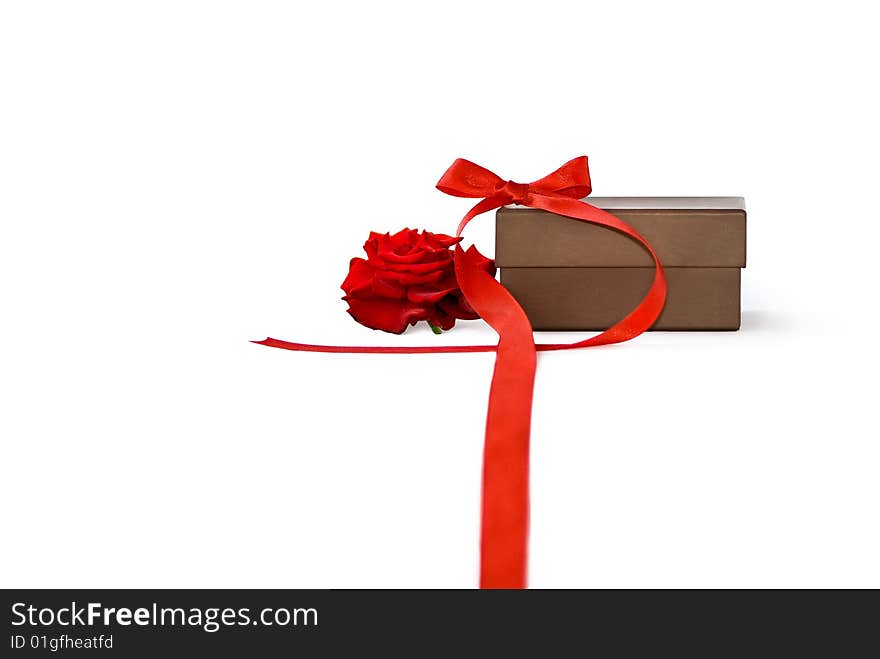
pixel 504 536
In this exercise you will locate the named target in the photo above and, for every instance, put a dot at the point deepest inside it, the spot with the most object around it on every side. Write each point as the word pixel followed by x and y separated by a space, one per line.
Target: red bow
pixel 467 179
pixel 504 535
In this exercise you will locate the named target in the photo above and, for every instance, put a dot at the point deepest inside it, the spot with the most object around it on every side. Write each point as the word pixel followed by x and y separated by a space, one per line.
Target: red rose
pixel 407 277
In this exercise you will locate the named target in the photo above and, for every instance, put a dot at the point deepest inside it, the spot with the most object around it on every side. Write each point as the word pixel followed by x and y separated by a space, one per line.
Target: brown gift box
pixel 572 275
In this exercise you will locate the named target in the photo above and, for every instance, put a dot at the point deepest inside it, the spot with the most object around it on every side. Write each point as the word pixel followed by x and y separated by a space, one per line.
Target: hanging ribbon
pixel 504 531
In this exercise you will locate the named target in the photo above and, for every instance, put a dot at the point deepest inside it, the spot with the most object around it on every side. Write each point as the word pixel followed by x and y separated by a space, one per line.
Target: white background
pixel 177 178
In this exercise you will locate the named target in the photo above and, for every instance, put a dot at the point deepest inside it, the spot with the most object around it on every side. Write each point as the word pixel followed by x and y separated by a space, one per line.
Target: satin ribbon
pixel 504 531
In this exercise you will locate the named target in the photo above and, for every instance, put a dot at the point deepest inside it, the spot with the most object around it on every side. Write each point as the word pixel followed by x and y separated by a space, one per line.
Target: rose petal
pixel 428 263
pixel 483 262
pixel 371 247
pixel 423 295
pixel 410 279
pixel 382 287
pixel 438 240
pixel 401 243
pixel 387 315
pixel 359 278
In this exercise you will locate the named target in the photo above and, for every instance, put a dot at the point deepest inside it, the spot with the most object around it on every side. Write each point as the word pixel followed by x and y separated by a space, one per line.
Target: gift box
pixel 573 275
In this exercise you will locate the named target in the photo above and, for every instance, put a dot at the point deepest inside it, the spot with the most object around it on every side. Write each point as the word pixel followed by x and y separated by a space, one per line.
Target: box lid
pixel 684 231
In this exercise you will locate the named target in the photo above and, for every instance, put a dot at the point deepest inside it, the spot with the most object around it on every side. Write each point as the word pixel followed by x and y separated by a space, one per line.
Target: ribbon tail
pixel 371 350
pixel 505 509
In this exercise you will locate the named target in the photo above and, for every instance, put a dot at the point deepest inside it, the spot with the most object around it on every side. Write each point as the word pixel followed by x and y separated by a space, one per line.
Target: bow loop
pixel 570 180
pixel 467 179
